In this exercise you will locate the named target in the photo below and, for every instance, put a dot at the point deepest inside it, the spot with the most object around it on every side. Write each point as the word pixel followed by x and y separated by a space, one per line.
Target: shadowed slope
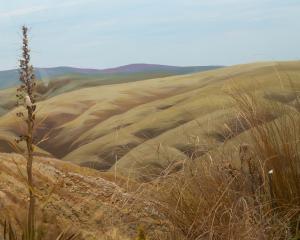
pixel 150 124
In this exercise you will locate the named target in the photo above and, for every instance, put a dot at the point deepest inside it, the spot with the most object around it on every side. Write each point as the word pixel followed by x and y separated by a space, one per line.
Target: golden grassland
pixel 137 124
pixel 218 154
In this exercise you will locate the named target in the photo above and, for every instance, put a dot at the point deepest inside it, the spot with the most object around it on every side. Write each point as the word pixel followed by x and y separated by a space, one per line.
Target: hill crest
pixel 9 78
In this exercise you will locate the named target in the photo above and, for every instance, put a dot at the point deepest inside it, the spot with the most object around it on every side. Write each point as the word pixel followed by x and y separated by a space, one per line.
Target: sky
pixel 101 34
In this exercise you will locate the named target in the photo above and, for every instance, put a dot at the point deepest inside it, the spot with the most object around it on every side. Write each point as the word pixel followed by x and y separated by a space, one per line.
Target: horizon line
pixel 153 64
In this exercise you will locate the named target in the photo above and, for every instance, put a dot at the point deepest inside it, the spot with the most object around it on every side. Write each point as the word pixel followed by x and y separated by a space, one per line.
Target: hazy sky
pixel 100 34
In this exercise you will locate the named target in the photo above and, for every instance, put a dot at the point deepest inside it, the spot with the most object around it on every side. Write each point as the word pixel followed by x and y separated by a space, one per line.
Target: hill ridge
pixel 122 119
pixel 9 78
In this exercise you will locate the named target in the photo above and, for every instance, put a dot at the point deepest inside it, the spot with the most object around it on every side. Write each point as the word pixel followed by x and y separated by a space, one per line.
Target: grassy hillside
pixel 142 127
pixel 54 81
pixel 217 154
pixel 10 78
pixel 71 197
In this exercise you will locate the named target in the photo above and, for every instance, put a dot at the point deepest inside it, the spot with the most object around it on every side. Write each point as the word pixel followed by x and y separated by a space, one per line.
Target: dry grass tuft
pixel 212 200
pixel 276 145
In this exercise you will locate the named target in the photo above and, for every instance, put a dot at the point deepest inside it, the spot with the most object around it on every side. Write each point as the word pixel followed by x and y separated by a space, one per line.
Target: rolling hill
pixel 60 80
pixel 10 78
pixel 140 128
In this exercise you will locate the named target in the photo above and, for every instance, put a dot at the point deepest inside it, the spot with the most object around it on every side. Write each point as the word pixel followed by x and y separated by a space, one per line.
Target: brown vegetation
pixel 213 200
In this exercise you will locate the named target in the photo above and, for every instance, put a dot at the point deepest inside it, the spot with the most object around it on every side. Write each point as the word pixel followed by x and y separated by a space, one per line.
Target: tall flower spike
pixel 26 96
pixel 28 102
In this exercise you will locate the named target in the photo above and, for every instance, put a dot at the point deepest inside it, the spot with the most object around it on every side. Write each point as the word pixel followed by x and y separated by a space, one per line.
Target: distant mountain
pixel 148 68
pixel 10 78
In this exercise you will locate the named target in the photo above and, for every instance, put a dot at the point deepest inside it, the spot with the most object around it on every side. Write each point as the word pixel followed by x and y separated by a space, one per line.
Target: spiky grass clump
pixel 276 144
pixel 213 203
pixel 218 203
pixel 212 200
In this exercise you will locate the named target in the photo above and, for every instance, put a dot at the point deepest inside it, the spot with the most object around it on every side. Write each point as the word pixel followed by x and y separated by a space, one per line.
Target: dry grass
pixel 205 199
pixel 212 200
pixel 42 233
pixel 276 143
pixel 110 116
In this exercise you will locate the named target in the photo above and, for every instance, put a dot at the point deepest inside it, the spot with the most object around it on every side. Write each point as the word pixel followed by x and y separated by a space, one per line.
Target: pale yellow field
pixel 142 127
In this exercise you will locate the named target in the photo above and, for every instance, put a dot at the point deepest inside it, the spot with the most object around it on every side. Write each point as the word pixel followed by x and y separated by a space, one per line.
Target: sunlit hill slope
pixel 141 127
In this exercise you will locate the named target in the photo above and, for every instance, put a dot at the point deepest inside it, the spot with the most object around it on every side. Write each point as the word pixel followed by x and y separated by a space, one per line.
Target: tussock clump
pixel 276 144
pixel 212 200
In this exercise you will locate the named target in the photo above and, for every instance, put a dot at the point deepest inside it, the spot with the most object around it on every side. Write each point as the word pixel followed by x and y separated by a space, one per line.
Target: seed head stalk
pixel 26 96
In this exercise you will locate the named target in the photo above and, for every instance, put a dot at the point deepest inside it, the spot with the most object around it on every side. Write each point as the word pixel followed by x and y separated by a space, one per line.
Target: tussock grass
pixel 276 145
pixel 213 200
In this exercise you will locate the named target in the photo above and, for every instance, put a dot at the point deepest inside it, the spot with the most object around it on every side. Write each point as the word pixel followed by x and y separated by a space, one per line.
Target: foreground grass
pixel 212 197
pixel 259 200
